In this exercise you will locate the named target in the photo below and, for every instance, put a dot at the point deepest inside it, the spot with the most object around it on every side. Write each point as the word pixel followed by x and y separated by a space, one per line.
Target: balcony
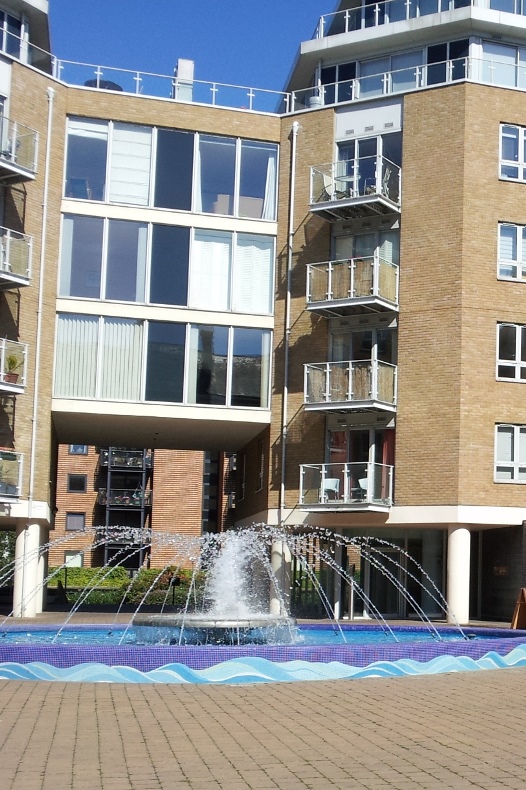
pixel 125 459
pixel 13 363
pixel 352 486
pixel 15 259
pixel 10 474
pixel 362 187
pixel 364 14
pixel 356 285
pixel 125 497
pixel 18 152
pixel 347 386
pixel 123 535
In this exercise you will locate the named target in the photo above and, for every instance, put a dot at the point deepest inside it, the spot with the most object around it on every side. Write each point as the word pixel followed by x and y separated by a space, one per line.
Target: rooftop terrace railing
pixel 364 15
pixel 416 77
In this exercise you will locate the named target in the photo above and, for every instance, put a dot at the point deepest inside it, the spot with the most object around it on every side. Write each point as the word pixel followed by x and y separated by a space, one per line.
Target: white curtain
pixel 121 359
pixel 253 277
pixel 210 271
pixel 269 203
pixel 76 356
pixel 266 350
pixel 130 164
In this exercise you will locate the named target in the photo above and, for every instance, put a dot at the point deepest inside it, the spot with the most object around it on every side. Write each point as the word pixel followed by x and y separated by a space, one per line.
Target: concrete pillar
pixel 29 572
pixel 458 556
pixel 280 561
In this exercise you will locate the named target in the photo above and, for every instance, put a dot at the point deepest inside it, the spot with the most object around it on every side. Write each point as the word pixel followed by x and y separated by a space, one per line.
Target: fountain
pixel 235 623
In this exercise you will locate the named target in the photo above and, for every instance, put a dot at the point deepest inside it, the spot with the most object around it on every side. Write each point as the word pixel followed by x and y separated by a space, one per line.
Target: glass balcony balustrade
pixel 350 385
pixel 364 15
pixel 125 497
pixel 15 259
pixel 13 364
pixel 359 187
pixel 10 473
pixel 345 286
pixel 18 151
pixel 348 486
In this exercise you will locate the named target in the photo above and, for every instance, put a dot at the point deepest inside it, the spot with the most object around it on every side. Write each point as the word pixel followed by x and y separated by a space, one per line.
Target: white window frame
pixel 519 262
pixel 519 163
pixel 515 466
pixel 516 365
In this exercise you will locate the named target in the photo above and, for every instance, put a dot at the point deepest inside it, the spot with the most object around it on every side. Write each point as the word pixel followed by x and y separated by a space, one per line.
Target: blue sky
pixel 241 42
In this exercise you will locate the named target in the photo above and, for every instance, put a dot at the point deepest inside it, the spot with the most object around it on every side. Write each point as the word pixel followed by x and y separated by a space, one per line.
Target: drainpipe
pixel 284 408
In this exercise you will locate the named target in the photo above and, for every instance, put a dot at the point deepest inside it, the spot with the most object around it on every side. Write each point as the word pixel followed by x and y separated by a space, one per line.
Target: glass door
pixel 383 568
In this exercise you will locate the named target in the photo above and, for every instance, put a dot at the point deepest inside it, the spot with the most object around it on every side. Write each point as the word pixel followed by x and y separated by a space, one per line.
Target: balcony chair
pixel 330 486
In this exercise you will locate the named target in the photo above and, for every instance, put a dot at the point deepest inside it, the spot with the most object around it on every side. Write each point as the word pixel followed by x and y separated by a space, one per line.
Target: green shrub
pixel 162 591
pixel 89 577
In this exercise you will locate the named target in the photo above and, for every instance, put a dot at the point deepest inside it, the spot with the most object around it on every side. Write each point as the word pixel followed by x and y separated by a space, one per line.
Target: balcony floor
pixel 355 207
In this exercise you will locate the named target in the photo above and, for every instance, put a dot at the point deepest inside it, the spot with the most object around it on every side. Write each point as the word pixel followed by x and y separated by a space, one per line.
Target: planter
pixel 11 378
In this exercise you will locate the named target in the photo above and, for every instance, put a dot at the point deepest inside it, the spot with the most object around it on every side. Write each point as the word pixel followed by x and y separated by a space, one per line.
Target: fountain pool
pixel 235 623
pixel 112 654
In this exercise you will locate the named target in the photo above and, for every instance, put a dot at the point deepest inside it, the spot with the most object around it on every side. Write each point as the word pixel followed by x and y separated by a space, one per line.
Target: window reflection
pixel 208 364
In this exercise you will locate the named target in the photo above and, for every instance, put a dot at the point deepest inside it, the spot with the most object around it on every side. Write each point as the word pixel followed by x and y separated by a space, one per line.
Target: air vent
pixel 388 125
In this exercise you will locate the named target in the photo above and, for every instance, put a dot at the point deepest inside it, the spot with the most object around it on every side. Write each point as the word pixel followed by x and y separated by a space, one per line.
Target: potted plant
pixel 11 365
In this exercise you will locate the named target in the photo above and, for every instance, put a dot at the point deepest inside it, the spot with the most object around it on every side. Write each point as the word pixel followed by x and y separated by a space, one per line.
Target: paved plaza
pixel 461 730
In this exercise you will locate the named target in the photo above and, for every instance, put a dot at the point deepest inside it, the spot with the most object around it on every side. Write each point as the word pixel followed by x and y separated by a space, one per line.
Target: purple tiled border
pixel 146 658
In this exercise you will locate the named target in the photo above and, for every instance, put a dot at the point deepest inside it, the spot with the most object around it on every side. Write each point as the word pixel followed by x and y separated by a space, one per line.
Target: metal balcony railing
pixel 18 150
pixel 13 365
pixel 360 384
pixel 352 187
pixel 339 286
pixel 128 459
pixel 15 257
pixel 124 497
pixel 10 473
pixel 351 485
pixel 364 15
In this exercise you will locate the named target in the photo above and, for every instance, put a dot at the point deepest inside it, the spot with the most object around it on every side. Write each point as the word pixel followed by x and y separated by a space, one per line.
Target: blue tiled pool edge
pixel 153 657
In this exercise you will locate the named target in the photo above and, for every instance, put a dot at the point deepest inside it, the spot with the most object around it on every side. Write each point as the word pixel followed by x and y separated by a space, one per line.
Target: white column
pixel 280 561
pixel 337 583
pixel 28 578
pixel 458 555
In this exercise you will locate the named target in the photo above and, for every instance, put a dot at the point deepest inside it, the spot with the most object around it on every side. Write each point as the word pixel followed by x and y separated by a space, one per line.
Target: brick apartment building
pixel 331 290
pixel 111 501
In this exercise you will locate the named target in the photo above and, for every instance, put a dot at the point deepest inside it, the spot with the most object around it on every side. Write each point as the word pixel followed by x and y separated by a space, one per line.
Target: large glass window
pixel 216 166
pixel 511 352
pixel 512 251
pixel 257 185
pixel 126 261
pixel 253 275
pixel 112 161
pixel 173 169
pixel 106 358
pixel 81 256
pixel 250 366
pixel 86 161
pixel 211 268
pixel 165 362
pixel 10 34
pixel 76 356
pixel 121 359
pixel 510 454
pixel 208 365
pixel 169 265
pixel 130 164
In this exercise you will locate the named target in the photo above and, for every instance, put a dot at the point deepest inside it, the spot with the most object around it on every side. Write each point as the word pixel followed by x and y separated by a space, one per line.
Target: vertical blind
pixel 253 276
pixel 121 359
pixel 76 362
pixel 210 271
pixel 130 164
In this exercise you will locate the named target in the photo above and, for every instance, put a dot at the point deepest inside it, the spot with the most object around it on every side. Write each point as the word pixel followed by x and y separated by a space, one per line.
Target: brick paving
pixel 462 730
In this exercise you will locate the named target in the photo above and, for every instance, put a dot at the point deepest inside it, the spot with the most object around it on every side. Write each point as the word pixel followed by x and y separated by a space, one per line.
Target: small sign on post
pixel 519 615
